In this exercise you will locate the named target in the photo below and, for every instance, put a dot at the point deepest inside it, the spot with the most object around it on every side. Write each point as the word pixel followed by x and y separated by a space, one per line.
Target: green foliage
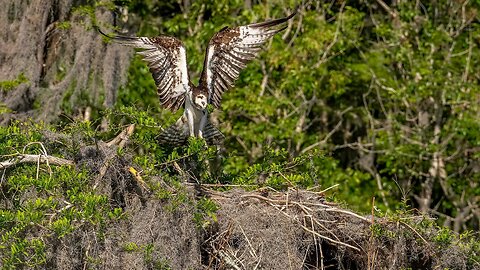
pixel 130 247
pixel 44 202
pixel 16 136
pixel 444 236
pixel 147 252
pixel 6 86
pixel 205 214
pixel 65 25
pixel 59 216
pixel 406 224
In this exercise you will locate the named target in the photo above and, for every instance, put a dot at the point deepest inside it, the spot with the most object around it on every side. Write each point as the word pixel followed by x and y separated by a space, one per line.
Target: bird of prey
pixel 227 53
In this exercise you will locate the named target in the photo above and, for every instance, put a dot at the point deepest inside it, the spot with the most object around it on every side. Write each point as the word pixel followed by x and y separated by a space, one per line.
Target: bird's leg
pixel 190 123
pixel 203 123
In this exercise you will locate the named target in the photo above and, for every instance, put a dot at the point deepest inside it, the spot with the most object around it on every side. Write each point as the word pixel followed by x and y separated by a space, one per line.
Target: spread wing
pixel 166 59
pixel 230 50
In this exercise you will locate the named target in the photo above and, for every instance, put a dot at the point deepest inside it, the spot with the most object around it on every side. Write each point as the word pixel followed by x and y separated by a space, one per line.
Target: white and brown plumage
pixel 228 52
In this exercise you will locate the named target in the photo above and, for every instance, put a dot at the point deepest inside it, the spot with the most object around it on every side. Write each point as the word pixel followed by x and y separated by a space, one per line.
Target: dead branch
pixel 329 239
pixel 329 135
pixel 123 137
pixel 338 210
pixel 121 140
pixel 26 158
pixel 335 39
pixel 392 13
pixel 280 205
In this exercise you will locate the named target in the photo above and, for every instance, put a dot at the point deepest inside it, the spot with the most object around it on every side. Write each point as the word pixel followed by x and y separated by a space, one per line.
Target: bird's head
pixel 200 101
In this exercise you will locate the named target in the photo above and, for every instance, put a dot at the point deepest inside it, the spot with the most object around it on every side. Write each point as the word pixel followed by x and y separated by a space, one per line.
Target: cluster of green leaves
pixel 41 203
pixel 205 215
pixel 9 85
pixel 146 251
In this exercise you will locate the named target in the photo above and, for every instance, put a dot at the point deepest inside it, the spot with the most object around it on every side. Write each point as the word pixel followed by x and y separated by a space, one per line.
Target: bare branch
pixel 390 11
pixel 121 140
pixel 335 38
pixel 26 158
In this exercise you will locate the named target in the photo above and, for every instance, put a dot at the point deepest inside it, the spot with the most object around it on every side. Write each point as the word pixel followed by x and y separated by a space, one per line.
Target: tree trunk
pixel 54 61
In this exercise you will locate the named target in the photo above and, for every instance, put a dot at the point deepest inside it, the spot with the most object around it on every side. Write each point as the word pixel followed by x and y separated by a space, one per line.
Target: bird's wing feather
pixel 176 134
pixel 166 59
pixel 230 50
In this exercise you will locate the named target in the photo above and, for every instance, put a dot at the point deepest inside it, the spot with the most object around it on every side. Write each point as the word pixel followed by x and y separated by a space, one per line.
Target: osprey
pixel 227 54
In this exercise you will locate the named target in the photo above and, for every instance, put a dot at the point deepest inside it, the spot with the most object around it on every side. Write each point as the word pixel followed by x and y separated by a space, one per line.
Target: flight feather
pixel 230 50
pixel 166 59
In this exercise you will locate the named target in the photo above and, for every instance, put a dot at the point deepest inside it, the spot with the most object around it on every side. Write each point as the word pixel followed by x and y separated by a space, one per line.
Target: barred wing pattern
pixel 177 134
pixel 166 59
pixel 230 50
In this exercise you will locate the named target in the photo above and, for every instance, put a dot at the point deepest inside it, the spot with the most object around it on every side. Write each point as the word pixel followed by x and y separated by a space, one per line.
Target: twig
pixel 411 228
pixel 228 185
pixel 283 202
pixel 338 210
pixel 325 228
pixel 327 189
pixel 315 242
pixel 252 252
pixel 299 26
pixel 330 239
pixel 266 74
pixel 371 254
pixel 469 56
pixel 174 161
pixel 392 13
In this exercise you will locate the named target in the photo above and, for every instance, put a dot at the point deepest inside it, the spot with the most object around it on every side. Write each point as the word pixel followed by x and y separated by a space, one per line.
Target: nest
pixel 299 229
